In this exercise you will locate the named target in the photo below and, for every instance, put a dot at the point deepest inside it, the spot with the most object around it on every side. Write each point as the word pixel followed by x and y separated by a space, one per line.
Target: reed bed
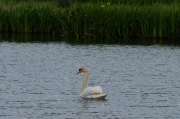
pixel 130 2
pixel 87 20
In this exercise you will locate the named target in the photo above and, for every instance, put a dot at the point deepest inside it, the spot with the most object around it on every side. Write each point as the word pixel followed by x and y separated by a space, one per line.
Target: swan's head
pixel 83 69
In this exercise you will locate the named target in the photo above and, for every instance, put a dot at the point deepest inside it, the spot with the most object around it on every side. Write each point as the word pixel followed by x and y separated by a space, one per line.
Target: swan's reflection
pixel 87 103
pixel 90 106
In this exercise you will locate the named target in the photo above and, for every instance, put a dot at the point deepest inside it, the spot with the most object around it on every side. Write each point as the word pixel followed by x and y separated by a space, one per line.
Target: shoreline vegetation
pixel 150 19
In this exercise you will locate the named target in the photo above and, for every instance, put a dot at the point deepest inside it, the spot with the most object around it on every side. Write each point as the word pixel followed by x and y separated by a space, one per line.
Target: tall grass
pixel 130 2
pixel 92 20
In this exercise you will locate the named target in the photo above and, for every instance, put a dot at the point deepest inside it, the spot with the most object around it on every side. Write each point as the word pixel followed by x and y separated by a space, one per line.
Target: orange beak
pixel 79 72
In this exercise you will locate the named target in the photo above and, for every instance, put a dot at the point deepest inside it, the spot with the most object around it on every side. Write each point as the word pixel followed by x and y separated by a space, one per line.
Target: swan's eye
pixel 80 69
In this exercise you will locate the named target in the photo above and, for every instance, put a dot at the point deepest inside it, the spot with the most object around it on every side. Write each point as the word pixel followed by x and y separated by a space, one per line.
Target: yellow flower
pixel 108 3
pixel 18 5
pixel 102 6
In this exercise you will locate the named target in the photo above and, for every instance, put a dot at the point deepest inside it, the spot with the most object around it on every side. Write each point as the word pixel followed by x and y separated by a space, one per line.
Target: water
pixel 39 81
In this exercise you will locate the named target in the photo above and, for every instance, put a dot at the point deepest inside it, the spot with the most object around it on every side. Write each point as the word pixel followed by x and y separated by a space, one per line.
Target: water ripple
pixel 38 80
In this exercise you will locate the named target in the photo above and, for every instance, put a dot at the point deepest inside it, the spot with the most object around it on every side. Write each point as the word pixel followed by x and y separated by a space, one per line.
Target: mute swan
pixel 90 92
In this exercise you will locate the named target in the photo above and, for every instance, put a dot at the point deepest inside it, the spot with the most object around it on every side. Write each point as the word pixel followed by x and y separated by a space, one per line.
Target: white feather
pixel 90 92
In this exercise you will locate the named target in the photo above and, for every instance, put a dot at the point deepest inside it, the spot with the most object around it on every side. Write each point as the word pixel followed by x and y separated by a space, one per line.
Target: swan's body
pixel 90 92
pixel 93 93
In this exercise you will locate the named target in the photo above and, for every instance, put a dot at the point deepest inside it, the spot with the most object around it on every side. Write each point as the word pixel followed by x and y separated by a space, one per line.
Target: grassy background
pixel 92 18
pixel 140 2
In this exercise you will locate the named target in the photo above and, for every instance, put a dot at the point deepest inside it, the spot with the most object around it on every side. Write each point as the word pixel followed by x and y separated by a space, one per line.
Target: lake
pixel 38 80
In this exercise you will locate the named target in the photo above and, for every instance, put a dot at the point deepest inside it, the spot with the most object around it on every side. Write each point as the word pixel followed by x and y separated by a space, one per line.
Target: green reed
pixel 90 20
pixel 129 2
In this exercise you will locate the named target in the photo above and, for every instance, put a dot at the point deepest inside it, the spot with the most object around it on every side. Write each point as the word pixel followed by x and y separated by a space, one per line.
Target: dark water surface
pixel 39 81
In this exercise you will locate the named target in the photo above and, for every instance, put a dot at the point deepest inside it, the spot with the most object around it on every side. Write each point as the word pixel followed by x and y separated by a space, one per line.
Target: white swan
pixel 90 92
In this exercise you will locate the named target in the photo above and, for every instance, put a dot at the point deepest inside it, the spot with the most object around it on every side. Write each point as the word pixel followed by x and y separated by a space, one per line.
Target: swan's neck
pixel 84 81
